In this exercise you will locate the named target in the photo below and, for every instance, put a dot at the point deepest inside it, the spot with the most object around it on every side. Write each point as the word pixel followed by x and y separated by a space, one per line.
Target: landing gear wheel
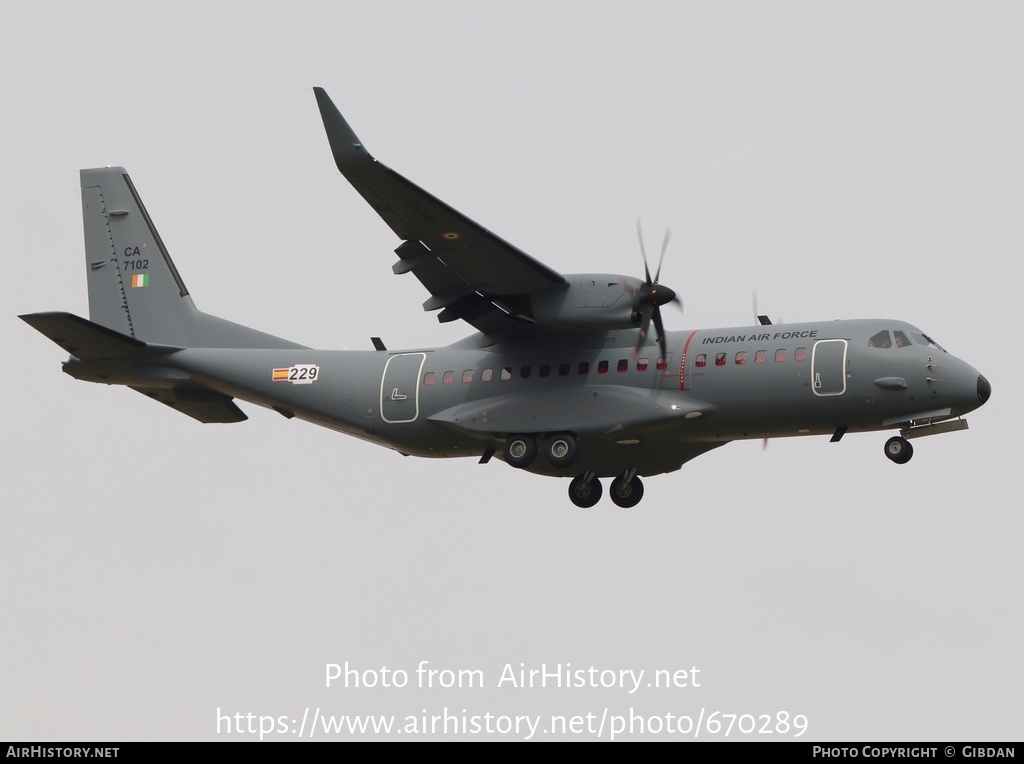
pixel 585 494
pixel 562 450
pixel 899 450
pixel 626 493
pixel 520 451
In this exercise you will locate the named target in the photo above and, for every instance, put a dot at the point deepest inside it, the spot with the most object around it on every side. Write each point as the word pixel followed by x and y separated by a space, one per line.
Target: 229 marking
pixel 299 374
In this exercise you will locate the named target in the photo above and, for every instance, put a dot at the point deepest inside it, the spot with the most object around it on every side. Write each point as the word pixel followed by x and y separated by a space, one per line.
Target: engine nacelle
pixel 590 301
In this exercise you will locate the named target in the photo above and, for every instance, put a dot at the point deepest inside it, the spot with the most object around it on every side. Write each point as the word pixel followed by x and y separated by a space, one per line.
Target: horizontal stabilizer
pixel 87 340
pixel 105 355
pixel 206 406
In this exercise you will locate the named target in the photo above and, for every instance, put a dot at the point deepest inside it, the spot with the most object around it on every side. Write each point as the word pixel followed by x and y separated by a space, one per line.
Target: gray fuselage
pixel 626 409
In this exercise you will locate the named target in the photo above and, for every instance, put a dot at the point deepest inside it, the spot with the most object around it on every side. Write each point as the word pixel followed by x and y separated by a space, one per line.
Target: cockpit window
pixel 920 338
pixel 884 339
pixel 881 340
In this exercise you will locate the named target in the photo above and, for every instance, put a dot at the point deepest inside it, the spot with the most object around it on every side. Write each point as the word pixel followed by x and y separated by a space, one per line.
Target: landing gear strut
pixel 627 490
pixel 899 450
pixel 585 490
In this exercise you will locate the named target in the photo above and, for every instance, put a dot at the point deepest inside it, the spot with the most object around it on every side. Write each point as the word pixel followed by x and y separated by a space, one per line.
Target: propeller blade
pixel 643 251
pixel 661 332
pixel 645 324
pixel 664 246
pixel 651 295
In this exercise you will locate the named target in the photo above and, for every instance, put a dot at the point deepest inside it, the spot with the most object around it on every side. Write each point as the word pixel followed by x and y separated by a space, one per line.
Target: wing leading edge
pixel 470 273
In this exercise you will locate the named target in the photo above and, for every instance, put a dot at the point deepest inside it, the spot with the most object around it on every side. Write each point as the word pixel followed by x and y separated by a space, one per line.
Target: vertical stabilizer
pixel 134 287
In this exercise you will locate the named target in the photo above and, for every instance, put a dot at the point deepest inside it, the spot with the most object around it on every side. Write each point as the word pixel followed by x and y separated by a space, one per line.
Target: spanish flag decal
pixel 140 280
pixel 280 375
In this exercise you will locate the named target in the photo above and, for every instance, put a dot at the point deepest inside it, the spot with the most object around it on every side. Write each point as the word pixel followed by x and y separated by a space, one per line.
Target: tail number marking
pixel 299 374
pixel 134 261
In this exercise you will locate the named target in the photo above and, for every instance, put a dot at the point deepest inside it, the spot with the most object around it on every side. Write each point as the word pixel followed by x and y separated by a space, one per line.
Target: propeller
pixel 652 295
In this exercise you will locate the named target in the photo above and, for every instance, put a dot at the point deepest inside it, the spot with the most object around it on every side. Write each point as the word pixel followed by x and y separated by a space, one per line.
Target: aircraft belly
pixel 585 410
pixel 607 457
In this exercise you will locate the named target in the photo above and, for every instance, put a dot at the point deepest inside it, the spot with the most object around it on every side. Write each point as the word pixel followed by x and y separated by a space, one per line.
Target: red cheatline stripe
pixel 682 361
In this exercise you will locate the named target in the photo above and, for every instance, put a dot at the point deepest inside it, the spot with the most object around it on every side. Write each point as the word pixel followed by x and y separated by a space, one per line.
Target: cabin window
pixel 506 373
pixel 780 355
pixel 760 356
pixel 720 359
pixel 702 361
pixel 486 375
pixel 902 341
pixel 525 372
pixel 584 367
pixel 467 376
pixel 449 377
pixel 564 369
pixel 623 365
pixel 741 357
pixel 602 367
pixel 641 364
pixel 545 370
pixel 800 354
pixel 428 379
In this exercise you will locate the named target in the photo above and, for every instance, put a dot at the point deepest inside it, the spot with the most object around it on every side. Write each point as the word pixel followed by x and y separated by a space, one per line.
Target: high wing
pixel 470 273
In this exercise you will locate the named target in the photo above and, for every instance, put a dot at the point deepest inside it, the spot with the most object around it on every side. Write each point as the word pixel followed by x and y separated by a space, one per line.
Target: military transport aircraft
pixel 561 378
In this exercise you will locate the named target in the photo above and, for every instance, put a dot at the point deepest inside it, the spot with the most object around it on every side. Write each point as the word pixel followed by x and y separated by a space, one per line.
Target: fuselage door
pixel 828 367
pixel 399 388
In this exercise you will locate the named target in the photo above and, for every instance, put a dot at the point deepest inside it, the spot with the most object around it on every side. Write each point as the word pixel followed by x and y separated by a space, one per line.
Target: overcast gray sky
pixel 844 159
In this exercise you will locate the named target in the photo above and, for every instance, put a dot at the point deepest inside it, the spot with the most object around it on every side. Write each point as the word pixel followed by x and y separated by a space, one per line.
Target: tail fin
pixel 134 287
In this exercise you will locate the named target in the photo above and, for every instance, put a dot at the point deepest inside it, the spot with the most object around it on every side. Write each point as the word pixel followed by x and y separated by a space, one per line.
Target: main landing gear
pixel 585 490
pixel 626 490
pixel 561 450
pixel 899 450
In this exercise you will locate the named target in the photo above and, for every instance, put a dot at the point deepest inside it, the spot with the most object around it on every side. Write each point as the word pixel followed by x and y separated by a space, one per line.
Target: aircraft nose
pixel 984 389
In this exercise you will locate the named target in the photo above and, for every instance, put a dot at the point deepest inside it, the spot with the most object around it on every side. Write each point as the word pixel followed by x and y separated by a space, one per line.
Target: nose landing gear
pixel 899 450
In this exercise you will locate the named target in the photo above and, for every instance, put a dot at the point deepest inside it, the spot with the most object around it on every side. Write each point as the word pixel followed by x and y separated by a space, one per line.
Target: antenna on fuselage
pixel 762 320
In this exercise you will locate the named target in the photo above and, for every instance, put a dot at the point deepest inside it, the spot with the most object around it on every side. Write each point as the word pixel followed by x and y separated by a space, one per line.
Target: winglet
pixel 345 144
